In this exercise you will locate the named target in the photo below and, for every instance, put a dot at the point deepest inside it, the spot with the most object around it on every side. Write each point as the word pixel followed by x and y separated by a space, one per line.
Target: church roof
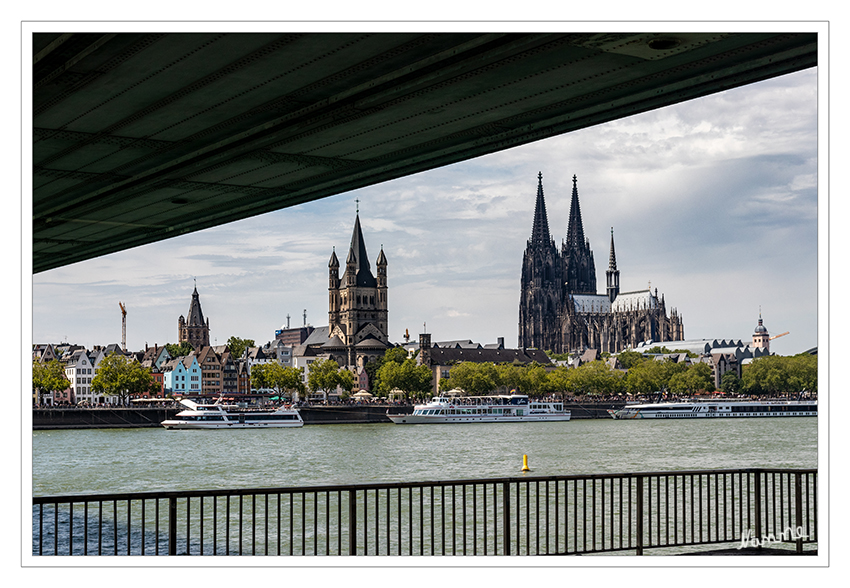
pixel 634 300
pixel 591 303
pixel 371 343
pixel 195 318
pixel 358 257
pixel 334 341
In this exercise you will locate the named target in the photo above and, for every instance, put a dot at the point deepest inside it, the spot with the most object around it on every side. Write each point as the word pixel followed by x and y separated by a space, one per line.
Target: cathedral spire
pixel 575 230
pixel 613 274
pixel 540 228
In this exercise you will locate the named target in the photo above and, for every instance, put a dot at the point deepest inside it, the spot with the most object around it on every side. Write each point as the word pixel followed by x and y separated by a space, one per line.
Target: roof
pixel 458 344
pixel 632 300
pixel 441 356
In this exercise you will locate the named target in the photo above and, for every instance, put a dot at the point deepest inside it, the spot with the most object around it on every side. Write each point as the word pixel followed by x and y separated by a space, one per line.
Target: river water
pixel 138 460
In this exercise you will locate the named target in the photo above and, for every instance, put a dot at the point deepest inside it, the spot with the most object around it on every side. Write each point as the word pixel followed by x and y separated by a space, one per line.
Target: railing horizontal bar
pixel 372 486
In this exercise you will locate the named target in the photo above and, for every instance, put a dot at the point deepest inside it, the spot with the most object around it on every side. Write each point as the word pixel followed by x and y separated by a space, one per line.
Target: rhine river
pixel 138 460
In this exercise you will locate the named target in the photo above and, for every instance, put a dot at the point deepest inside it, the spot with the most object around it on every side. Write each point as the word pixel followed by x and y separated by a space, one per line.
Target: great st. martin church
pixel 559 309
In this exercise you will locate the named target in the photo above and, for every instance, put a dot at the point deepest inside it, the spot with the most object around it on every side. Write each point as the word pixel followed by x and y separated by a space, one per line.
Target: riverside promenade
pixel 133 417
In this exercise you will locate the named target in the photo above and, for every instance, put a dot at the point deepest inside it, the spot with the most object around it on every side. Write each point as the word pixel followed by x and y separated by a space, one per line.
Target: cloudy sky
pixel 713 201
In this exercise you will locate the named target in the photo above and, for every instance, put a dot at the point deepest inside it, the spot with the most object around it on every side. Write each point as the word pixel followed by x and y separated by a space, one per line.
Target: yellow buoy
pixel 525 464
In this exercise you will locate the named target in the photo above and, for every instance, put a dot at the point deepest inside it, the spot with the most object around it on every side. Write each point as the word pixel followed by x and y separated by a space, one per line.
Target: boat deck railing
pixel 529 515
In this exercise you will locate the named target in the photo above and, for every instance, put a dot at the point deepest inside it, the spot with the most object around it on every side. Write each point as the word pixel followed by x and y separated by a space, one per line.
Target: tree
pixel 629 359
pixel 238 346
pixel 697 377
pixel 652 375
pixel 279 378
pixel 326 375
pixel 120 376
pixel 49 377
pixel 395 355
pixel 774 374
pixel 596 377
pixel 559 380
pixel 730 383
pixel 406 376
pixel 179 349
pixel 473 378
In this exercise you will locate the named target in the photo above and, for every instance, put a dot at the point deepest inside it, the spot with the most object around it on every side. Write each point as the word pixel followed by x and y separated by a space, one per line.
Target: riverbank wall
pixel 117 418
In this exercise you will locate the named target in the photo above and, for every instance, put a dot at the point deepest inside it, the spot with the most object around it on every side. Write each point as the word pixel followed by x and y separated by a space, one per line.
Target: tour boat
pixel 718 409
pixel 228 416
pixel 506 408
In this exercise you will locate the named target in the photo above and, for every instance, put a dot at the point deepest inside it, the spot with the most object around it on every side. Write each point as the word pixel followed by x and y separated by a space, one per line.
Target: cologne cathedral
pixel 559 309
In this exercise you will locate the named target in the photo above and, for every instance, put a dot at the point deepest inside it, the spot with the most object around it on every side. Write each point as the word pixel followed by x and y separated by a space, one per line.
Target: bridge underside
pixel 141 137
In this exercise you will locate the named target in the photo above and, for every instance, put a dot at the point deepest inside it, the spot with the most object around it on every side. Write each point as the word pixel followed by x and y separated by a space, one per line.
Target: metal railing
pixel 555 515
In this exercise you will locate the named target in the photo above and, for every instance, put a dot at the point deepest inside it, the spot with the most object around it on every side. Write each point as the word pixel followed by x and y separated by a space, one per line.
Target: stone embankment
pixel 104 418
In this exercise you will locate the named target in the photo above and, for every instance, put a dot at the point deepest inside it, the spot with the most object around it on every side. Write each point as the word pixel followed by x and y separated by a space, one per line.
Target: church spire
pixel 613 274
pixel 358 258
pixel 540 228
pixel 612 257
pixel 575 230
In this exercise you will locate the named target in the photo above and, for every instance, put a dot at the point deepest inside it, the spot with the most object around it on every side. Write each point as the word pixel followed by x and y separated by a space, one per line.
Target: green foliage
pixel 284 380
pixel 474 378
pixel 395 355
pixel 663 350
pixel 238 346
pixel 775 374
pixel 179 350
pixel 406 376
pixel 49 377
pixel 730 383
pixel 652 375
pixel 596 377
pixel 120 376
pixel 695 378
pixel 629 359
pixel 325 374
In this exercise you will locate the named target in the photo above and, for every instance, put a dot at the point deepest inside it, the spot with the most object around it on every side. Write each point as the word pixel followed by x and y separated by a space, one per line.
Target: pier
pixel 750 509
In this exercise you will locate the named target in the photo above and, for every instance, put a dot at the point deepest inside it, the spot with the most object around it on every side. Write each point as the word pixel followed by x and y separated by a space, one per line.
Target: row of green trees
pixel 117 375
pixel 773 375
pixel 777 375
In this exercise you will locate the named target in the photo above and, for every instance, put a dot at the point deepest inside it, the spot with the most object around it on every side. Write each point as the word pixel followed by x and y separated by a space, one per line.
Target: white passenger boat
pixel 718 409
pixel 506 408
pixel 228 416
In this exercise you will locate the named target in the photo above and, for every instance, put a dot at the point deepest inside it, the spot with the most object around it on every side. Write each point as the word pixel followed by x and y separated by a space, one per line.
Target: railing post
pixel 798 507
pixel 506 517
pixel 758 533
pixel 352 522
pixel 172 525
pixel 639 530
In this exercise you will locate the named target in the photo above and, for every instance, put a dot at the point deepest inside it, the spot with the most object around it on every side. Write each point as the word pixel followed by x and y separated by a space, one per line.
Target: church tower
pixel 541 283
pixel 357 305
pixel 613 274
pixel 194 330
pixel 761 338
pixel 578 258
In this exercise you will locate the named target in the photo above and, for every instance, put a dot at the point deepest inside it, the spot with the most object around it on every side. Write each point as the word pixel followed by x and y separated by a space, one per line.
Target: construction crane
pixel 779 335
pixel 123 327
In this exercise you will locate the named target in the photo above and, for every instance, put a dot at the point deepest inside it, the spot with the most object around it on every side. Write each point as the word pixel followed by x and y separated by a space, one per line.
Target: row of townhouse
pixel 210 371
